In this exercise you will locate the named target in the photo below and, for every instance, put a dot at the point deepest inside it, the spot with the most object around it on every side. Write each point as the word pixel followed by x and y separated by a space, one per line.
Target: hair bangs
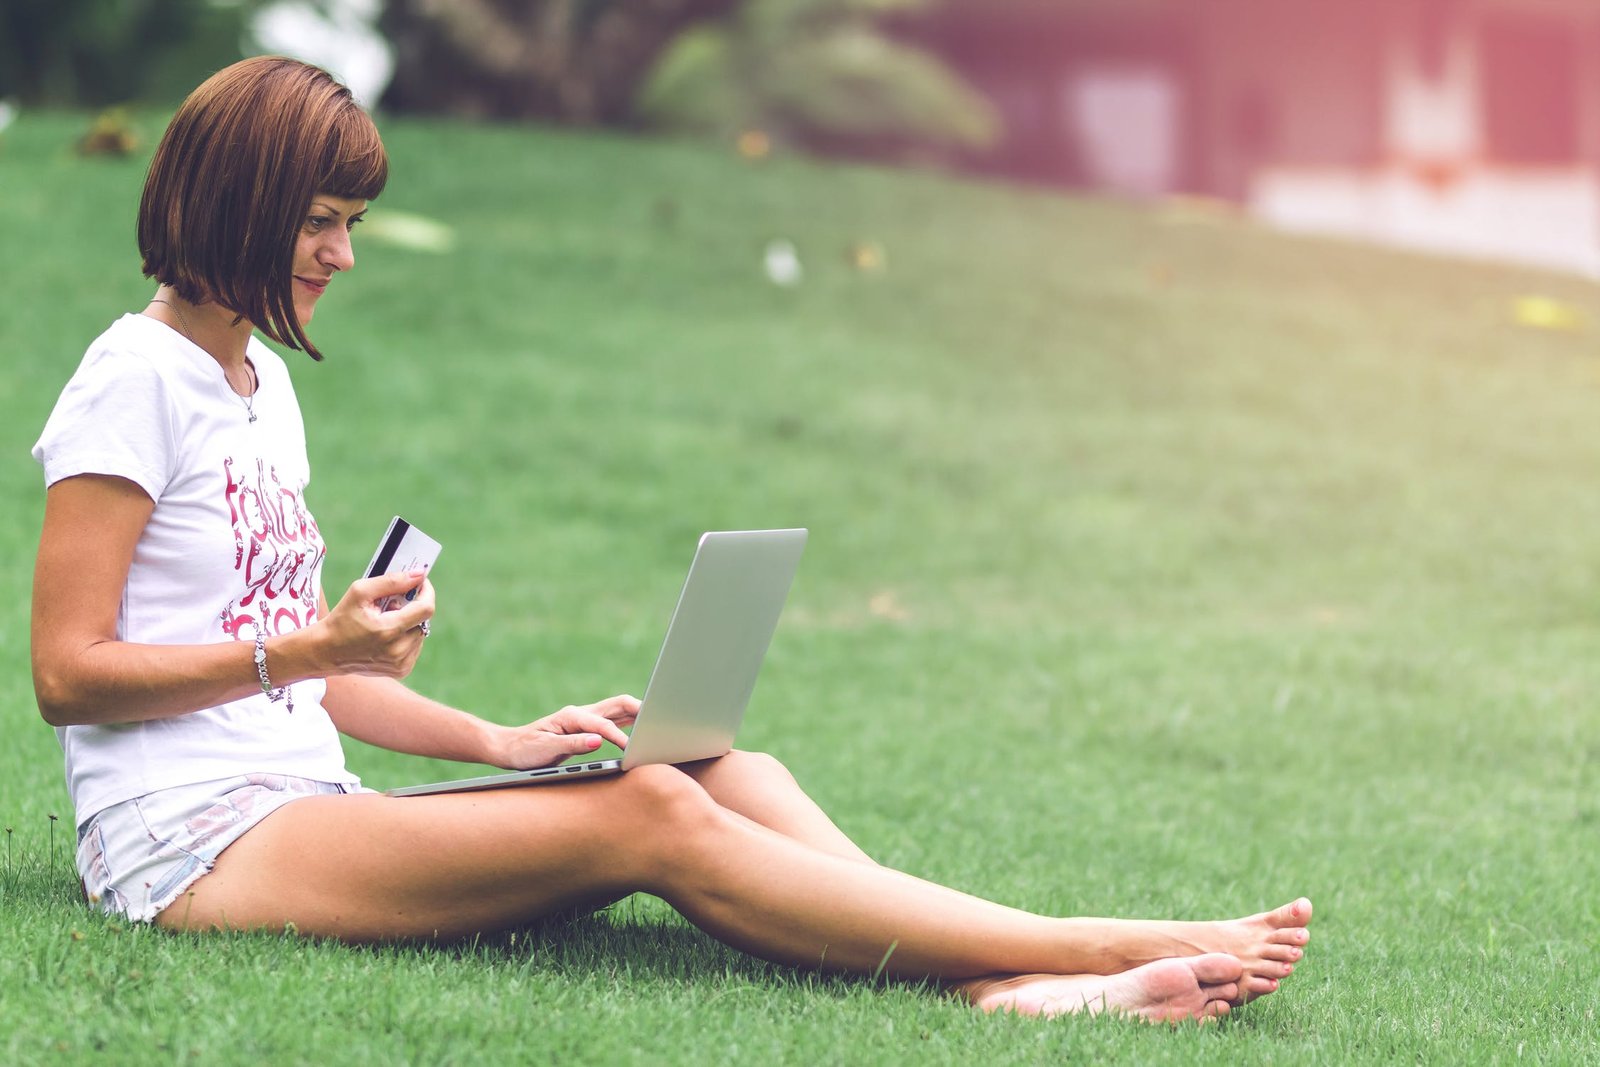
pixel 355 164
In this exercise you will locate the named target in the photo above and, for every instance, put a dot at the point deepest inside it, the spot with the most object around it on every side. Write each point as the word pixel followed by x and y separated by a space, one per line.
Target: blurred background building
pixel 1462 126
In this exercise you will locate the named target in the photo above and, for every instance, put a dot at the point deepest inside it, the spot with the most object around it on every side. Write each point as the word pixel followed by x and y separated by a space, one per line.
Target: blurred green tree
pixel 821 73
pixel 99 52
pixel 576 61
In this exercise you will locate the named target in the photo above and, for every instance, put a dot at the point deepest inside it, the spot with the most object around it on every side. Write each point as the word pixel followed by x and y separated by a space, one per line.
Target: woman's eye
pixel 316 222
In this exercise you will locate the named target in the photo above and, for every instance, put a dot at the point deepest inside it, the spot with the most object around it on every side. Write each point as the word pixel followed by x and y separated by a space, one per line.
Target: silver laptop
pixel 708 664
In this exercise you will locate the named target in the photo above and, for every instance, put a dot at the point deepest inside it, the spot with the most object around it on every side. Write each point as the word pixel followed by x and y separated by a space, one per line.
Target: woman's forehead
pixel 344 205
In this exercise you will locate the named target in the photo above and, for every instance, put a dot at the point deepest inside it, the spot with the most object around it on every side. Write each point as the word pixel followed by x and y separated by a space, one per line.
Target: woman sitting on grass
pixel 198 679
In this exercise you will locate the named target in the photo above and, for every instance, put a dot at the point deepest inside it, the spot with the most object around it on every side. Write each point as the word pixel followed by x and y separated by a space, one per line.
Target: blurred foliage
pixel 820 73
pixel 99 52
pixel 578 61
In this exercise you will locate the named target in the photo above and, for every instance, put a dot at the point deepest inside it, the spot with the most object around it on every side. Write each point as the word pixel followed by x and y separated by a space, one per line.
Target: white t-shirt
pixel 230 547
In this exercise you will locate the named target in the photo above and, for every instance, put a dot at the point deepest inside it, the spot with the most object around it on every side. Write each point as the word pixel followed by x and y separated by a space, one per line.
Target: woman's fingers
pixel 373 590
pixel 377 642
pixel 602 720
pixel 620 709
pixel 579 744
pixel 412 615
pixel 586 719
pixel 599 724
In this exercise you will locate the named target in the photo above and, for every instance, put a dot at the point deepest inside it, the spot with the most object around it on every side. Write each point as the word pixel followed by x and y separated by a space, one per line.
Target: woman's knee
pixel 673 819
pixel 664 796
pixel 764 767
pixel 753 768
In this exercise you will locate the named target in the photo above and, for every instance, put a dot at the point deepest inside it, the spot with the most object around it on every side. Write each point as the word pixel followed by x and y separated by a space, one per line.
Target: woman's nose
pixel 337 252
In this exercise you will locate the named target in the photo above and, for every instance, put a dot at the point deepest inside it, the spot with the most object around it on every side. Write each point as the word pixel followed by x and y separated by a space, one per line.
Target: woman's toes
pixel 1216 967
pixel 1295 913
pixel 1228 992
pixel 1216 1009
pixel 1294 936
pixel 1257 985
pixel 1290 915
pixel 1282 953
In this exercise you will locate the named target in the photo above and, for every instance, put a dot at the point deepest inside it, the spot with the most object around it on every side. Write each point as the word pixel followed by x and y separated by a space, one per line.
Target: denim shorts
pixel 139 856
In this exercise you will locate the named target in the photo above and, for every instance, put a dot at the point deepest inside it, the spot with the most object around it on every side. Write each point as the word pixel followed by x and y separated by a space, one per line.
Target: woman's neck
pixel 210 327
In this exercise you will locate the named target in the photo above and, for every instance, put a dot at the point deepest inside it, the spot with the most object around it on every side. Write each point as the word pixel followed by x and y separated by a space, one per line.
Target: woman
pixel 198 679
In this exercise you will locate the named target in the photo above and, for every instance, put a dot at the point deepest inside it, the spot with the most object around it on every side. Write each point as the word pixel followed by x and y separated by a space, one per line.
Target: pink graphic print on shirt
pixel 277 548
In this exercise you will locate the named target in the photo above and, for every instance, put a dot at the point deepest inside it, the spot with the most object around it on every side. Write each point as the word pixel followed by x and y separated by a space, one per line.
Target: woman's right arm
pixel 83 674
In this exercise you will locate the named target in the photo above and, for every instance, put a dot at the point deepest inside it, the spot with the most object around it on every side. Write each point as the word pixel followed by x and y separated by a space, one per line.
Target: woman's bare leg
pixel 759 787
pixel 369 867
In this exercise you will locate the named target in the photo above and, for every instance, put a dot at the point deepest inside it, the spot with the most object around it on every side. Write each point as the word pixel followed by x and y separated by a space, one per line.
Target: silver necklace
pixel 183 320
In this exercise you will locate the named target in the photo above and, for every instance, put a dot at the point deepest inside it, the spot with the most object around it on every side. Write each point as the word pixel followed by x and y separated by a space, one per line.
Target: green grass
pixel 1159 566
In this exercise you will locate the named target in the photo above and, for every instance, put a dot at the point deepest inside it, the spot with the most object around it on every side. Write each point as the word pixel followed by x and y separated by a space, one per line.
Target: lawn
pixel 1159 566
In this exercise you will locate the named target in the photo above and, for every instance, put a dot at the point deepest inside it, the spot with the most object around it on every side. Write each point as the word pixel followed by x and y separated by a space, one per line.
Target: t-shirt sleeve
pixel 114 417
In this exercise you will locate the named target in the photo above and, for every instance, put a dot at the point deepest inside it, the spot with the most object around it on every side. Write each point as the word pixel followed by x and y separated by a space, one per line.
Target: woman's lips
pixel 315 286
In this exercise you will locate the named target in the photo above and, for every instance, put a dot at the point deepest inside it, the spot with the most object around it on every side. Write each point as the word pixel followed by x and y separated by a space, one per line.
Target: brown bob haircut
pixel 233 176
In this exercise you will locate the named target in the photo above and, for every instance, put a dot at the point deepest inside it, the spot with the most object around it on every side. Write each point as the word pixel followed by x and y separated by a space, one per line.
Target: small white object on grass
pixel 782 262
pixel 8 114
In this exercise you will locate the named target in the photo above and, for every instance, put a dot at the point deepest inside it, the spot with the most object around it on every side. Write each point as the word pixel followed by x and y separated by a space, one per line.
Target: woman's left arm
pixel 384 712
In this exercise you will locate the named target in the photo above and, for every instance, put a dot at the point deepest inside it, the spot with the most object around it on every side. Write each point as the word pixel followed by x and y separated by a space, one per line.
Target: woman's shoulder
pixel 138 347
pixel 139 371
pixel 125 353
pixel 117 412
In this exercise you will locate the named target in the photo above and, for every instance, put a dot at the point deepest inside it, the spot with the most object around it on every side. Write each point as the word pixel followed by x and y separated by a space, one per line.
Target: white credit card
pixel 403 549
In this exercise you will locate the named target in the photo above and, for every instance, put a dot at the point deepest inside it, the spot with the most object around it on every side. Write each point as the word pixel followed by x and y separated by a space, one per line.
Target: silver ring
pixel 424 628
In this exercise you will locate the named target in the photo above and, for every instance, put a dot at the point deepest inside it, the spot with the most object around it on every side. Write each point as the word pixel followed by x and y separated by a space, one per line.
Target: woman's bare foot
pixel 1267 945
pixel 1168 991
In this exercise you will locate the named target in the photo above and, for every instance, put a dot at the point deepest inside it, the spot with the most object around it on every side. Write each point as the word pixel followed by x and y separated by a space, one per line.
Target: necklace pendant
pixel 252 416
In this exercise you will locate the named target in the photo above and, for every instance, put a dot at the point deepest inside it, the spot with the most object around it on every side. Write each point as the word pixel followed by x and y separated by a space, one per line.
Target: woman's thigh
pixel 369 867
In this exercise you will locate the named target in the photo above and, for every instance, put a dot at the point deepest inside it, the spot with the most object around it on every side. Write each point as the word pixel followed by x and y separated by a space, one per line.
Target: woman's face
pixel 322 248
